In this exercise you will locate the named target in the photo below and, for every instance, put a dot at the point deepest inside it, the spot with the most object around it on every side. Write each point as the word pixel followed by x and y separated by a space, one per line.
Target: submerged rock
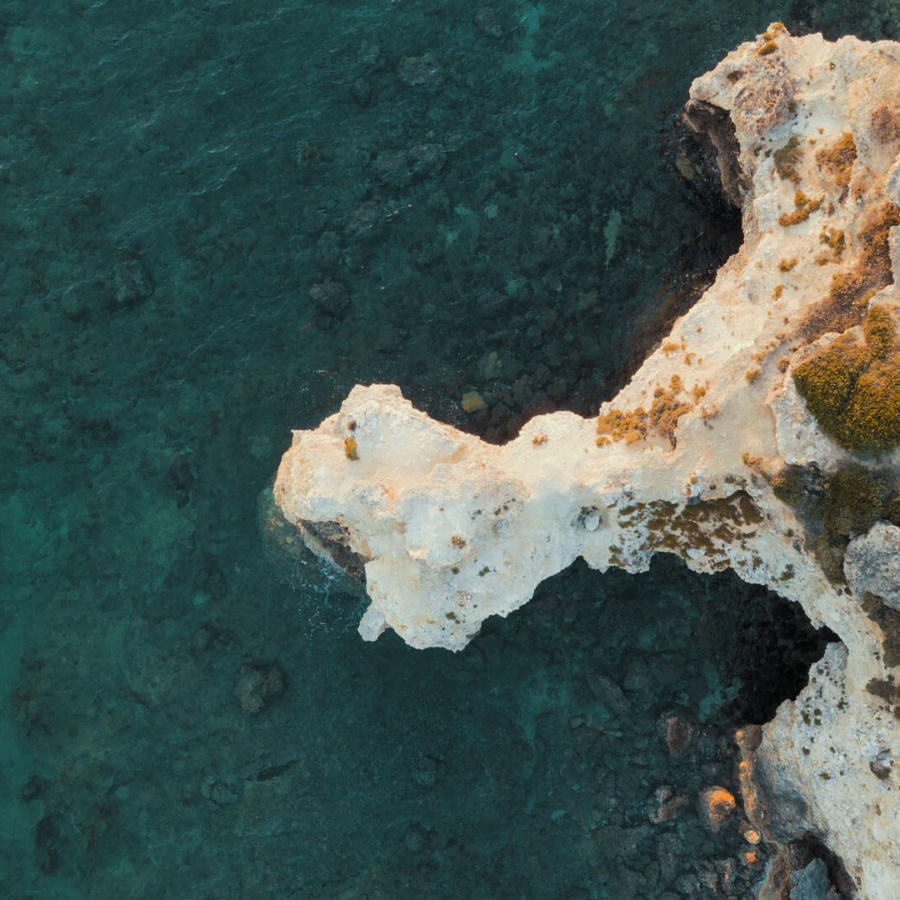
pixel 257 685
pixel 716 806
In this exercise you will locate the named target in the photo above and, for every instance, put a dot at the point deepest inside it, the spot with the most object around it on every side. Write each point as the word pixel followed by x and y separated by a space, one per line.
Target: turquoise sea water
pixel 215 218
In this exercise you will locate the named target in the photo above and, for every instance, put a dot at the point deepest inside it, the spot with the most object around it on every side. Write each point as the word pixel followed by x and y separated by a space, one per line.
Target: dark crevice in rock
pixel 775 667
pixel 805 869
pixel 335 541
pixel 755 636
pixel 759 643
pixel 695 161
pixel 715 124
pixel 289 546
pixel 804 851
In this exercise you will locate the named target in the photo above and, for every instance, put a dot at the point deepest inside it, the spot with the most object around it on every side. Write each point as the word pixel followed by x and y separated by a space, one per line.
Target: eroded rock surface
pixel 872 564
pixel 735 445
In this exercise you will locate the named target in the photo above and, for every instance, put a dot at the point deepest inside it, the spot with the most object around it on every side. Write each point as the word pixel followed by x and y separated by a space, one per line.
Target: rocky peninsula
pixel 761 435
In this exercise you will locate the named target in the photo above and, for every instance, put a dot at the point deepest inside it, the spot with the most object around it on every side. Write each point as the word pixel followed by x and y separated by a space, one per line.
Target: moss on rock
pixel 853 387
pixel 787 158
pixel 837 507
pixel 888 620
pixel 879 331
pixel 789 485
pixel 852 501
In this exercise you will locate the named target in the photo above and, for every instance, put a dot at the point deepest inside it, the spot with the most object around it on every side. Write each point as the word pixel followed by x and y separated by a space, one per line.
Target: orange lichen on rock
pixel 665 411
pixel 834 239
pixel 875 259
pixel 717 805
pixel 852 288
pixel 768 38
pixel 617 425
pixel 350 448
pixel 853 388
pixel 837 161
pixel 787 264
pixel 804 208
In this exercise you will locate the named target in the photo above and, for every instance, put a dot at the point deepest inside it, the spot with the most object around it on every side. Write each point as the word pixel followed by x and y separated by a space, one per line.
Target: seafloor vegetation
pixel 216 218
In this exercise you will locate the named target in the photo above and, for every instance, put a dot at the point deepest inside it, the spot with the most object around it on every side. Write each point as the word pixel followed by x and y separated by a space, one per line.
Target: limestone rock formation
pixel 872 564
pixel 761 435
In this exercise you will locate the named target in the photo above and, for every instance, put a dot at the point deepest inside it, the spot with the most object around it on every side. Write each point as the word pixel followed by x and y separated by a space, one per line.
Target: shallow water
pixel 216 218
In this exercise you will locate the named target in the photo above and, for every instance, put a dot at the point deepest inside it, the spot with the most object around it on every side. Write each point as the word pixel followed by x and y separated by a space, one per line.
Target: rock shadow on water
pixel 583 746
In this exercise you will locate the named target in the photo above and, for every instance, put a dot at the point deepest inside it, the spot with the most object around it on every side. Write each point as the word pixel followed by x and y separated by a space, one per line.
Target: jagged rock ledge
pixel 761 435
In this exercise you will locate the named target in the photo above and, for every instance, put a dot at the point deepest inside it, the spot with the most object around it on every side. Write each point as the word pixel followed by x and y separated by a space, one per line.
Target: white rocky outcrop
pixel 450 530
pixel 872 564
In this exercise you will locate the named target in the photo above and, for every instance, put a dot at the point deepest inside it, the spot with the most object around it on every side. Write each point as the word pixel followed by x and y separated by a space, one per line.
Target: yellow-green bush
pixel 853 388
pixel 852 501
pixel 879 331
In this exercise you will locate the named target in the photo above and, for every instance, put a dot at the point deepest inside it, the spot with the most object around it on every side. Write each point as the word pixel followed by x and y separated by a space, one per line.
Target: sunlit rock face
pixel 711 452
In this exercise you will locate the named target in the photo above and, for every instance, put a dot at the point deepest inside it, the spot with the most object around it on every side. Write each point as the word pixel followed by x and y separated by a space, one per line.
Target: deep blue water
pixel 216 218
